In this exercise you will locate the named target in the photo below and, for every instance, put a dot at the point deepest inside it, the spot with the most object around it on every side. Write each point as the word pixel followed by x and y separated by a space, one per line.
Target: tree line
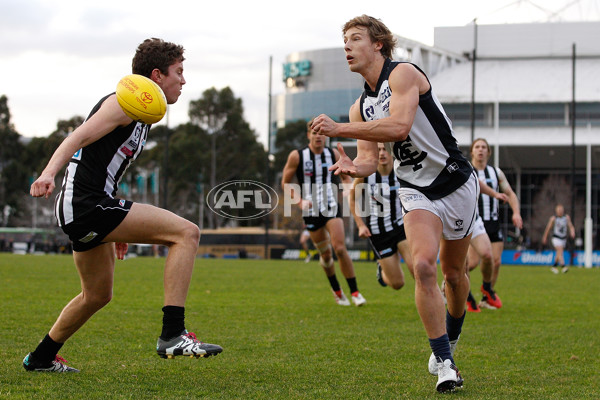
pixel 178 166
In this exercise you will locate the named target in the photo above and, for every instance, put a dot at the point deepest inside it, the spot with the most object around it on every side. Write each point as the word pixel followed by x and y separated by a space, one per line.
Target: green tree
pixel 234 150
pixel 39 149
pixel 13 178
pixel 292 136
pixel 35 157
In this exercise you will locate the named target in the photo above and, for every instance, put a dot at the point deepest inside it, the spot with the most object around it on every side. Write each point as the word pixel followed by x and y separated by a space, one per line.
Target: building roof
pixel 521 62
pixel 523 81
pixel 521 40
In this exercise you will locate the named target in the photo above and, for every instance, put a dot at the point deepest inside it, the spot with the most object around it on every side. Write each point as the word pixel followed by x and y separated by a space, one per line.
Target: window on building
pixel 587 113
pixel 460 114
pixel 533 114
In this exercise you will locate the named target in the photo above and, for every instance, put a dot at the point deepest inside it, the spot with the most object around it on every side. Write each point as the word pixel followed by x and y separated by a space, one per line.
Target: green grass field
pixel 285 338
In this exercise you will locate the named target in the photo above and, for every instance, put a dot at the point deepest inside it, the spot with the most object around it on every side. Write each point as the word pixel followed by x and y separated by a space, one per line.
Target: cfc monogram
pixel 407 155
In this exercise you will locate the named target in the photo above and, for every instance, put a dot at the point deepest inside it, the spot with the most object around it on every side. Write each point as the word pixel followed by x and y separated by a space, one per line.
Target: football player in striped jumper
pixel 561 225
pixel 383 225
pixel 99 224
pixel 316 195
pixel 480 251
pixel 438 188
pixel 489 211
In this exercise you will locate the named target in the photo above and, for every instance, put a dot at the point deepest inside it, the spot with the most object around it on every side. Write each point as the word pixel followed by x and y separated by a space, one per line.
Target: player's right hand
pixel 42 187
pixel 364 232
pixel 305 204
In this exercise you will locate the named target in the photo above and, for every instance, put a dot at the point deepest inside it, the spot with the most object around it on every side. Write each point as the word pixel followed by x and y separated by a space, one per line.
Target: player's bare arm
pixel 513 200
pixel 289 170
pixel 406 84
pixel 485 189
pixel 105 120
pixel 571 227
pixel 354 196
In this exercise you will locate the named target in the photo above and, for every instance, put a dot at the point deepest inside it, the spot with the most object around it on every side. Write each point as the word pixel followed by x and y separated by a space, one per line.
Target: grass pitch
pixel 285 338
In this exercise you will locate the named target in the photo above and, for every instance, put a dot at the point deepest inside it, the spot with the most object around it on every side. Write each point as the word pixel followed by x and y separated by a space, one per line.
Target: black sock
pixel 173 322
pixel 441 347
pixel 471 298
pixel 454 325
pixel 46 351
pixel 352 284
pixel 335 285
pixel 487 286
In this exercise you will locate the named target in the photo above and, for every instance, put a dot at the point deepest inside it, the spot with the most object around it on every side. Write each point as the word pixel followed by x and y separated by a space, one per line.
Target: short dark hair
pixel 378 32
pixel 156 53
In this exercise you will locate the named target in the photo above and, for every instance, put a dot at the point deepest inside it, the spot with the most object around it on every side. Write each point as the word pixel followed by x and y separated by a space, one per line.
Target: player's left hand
pixel 324 125
pixel 121 250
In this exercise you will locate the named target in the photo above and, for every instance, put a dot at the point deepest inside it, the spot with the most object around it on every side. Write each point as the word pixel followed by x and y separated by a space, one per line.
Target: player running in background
pixel 317 198
pixel 489 211
pixel 383 225
pixel 304 242
pixel 481 249
pixel 561 225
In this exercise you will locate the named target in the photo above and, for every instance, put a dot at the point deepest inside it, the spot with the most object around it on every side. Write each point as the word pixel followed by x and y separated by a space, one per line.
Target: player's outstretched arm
pixel 406 84
pixel 105 120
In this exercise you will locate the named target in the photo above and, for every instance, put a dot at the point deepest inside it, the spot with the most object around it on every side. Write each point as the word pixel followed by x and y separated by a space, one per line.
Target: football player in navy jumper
pixel 438 189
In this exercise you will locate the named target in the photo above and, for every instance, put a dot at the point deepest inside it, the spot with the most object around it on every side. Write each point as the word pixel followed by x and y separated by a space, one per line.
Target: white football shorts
pixel 457 211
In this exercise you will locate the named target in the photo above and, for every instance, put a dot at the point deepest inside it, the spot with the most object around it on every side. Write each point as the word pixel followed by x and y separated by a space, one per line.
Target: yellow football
pixel 141 99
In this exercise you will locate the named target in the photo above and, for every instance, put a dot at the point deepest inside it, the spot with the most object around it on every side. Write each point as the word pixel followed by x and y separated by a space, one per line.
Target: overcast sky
pixel 59 57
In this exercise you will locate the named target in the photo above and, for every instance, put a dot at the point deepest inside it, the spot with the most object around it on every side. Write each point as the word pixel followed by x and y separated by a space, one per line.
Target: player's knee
pixel 425 272
pixel 454 277
pixel 397 284
pixel 99 299
pixel 339 248
pixel 487 257
pixel 324 249
pixel 190 233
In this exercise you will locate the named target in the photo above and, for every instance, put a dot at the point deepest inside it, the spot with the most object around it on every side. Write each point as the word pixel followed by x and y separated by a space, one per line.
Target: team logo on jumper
pixel 458 225
pixel 408 155
pixel 77 155
pixel 122 203
pixel 242 200
pixel 308 167
pixel 370 112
